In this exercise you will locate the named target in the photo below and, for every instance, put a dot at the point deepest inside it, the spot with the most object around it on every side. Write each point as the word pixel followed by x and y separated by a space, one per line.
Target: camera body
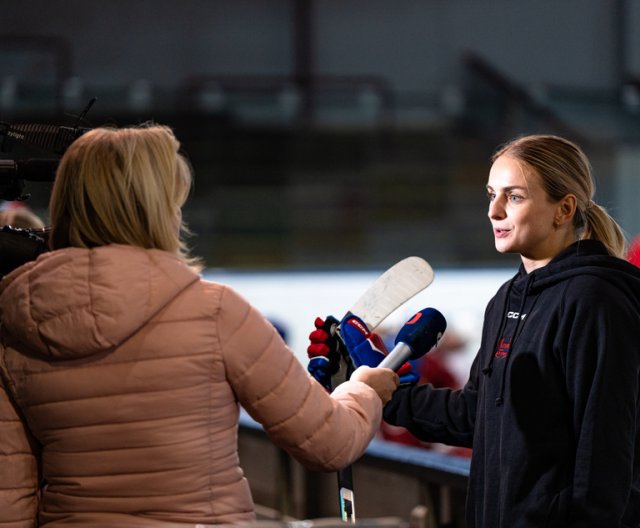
pixel 19 246
pixel 48 143
pixel 50 140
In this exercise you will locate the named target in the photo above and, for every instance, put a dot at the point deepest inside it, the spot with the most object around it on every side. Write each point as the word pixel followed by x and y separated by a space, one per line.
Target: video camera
pixel 17 245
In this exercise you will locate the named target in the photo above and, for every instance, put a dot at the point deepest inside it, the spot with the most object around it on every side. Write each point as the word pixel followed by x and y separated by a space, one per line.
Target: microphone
pixel 418 335
pixel 49 138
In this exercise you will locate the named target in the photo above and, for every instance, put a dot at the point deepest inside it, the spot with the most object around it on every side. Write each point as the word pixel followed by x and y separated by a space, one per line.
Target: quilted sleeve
pixel 18 469
pixel 322 431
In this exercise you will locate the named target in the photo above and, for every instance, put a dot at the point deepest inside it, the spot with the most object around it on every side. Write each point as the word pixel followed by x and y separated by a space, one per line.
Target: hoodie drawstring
pixel 488 368
pixel 516 332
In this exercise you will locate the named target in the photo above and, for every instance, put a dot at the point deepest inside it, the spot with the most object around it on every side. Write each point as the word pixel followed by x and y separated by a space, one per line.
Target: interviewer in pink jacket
pixel 122 371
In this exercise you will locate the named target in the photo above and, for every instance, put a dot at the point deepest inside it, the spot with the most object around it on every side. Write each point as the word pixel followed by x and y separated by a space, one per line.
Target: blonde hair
pixel 122 186
pixel 564 169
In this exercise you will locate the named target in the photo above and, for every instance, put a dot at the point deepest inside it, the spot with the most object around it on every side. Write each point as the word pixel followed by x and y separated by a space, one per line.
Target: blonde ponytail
pixel 599 225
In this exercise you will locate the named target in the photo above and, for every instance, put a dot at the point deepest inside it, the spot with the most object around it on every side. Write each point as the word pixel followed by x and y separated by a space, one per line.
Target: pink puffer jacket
pixel 128 370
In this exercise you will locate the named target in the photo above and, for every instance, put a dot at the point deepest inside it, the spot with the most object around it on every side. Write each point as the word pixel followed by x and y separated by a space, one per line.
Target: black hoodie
pixel 552 405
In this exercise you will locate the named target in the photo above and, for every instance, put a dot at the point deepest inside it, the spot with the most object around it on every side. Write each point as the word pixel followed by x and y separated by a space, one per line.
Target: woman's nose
pixel 496 209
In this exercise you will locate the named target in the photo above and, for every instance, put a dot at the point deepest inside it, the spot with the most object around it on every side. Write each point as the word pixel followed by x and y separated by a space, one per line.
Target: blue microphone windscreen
pixel 422 331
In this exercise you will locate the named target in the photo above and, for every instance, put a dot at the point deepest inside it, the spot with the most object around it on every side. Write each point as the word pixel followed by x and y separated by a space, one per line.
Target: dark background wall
pixel 338 133
pixel 416 44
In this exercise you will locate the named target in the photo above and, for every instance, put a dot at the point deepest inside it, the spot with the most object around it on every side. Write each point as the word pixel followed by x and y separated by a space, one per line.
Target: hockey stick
pixel 388 292
pixel 392 289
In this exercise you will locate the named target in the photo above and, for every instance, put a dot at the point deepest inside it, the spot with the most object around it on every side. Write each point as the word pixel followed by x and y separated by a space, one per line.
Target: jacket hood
pixel 76 302
pixel 588 257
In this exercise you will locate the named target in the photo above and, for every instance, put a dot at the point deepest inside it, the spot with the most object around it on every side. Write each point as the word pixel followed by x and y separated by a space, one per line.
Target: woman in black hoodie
pixel 552 405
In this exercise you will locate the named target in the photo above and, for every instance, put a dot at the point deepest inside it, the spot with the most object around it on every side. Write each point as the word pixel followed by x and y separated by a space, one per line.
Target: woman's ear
pixel 566 209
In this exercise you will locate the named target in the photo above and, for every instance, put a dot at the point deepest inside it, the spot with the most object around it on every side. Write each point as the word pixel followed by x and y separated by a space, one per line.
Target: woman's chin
pixel 501 247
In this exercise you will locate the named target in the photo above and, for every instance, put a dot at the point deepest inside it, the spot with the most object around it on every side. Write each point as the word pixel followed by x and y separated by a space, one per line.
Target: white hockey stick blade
pixel 392 289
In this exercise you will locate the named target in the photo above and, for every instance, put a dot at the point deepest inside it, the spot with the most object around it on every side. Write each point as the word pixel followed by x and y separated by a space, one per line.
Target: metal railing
pixel 391 481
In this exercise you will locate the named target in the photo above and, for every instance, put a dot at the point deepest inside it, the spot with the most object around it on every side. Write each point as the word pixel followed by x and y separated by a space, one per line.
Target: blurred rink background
pixel 329 140
pixel 293 300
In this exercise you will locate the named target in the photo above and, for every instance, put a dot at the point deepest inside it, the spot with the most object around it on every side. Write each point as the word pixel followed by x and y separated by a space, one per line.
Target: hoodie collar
pixel 588 257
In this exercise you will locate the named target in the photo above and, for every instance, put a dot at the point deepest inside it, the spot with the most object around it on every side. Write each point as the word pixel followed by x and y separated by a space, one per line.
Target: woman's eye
pixel 491 196
pixel 514 198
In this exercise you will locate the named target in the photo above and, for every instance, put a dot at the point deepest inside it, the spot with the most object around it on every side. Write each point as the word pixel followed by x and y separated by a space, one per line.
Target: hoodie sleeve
pixel 18 469
pixel 599 351
pixel 440 414
pixel 322 431
pixel 436 414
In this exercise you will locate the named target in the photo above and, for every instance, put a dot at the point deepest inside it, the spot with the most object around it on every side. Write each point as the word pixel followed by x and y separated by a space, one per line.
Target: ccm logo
pixel 515 315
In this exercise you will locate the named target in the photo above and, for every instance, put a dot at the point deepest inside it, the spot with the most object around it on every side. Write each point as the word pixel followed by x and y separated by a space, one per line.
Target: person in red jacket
pixel 633 253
